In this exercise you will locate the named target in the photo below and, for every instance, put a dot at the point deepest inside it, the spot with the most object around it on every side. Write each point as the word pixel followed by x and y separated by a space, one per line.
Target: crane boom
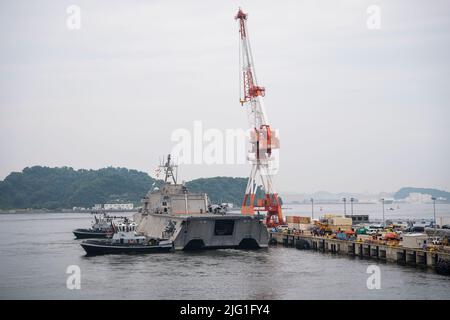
pixel 262 140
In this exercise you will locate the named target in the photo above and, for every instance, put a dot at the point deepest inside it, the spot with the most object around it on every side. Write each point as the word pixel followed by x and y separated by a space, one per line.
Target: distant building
pixel 388 200
pixel 359 218
pixel 118 206
pixel 78 209
pixel 443 221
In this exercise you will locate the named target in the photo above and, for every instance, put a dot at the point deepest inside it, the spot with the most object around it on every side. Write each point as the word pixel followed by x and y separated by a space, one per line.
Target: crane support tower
pixel 263 141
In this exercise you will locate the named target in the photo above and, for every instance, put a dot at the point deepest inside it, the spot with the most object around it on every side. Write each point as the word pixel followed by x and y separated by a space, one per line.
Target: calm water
pixel 37 248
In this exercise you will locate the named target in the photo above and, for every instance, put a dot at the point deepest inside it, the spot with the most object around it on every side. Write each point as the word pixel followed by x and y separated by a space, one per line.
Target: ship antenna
pixel 168 168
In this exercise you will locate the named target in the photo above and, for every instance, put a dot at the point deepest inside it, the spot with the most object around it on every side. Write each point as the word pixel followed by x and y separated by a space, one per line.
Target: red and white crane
pixel 263 141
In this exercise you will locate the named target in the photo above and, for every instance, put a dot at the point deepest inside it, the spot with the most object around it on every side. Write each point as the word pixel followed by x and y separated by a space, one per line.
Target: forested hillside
pixel 55 188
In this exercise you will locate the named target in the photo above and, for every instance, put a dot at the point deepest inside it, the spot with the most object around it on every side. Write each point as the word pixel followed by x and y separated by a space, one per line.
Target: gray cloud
pixel 357 109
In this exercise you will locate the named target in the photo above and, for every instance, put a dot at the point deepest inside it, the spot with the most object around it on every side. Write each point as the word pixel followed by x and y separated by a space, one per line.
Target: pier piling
pixel 376 251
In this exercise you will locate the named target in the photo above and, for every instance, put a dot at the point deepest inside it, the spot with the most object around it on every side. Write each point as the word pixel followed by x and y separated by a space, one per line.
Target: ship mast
pixel 168 168
pixel 262 140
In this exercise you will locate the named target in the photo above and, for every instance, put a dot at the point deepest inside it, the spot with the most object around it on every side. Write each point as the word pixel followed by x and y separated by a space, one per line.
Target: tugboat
pixel 126 240
pixel 101 228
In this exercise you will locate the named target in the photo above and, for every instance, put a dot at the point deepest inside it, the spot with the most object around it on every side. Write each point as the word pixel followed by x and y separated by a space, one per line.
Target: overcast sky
pixel 357 109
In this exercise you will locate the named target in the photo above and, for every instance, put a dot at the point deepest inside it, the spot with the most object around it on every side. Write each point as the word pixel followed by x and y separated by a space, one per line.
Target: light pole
pixel 382 200
pixel 312 209
pixel 351 204
pixel 434 211
pixel 345 206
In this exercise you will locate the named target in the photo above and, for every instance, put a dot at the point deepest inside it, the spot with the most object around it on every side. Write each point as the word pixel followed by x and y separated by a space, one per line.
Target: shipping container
pixel 364 237
pixel 298 219
pixel 443 221
pixel 340 227
pixel 339 221
pixel 414 240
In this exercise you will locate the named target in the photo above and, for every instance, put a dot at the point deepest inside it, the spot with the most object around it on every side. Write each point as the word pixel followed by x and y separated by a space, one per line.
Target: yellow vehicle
pixel 323 228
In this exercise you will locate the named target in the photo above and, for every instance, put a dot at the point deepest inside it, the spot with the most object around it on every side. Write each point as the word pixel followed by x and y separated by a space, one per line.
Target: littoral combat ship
pixel 188 220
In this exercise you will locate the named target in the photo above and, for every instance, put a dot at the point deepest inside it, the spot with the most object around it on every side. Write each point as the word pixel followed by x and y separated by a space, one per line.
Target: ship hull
pixel 97 248
pixel 90 234
pixel 205 231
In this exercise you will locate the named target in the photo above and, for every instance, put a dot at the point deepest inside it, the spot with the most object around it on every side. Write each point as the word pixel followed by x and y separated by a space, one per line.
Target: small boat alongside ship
pixel 101 228
pixel 126 240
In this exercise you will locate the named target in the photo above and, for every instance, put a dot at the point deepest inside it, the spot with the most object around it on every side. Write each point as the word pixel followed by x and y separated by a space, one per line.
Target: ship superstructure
pixel 188 220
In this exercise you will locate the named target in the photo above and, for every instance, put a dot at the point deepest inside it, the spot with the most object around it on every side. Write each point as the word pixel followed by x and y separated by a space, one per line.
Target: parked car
pixel 418 229
pixel 282 227
pixel 374 229
pixel 436 241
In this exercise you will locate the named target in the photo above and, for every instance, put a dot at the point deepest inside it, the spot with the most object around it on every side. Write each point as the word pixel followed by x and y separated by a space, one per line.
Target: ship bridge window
pixel 224 227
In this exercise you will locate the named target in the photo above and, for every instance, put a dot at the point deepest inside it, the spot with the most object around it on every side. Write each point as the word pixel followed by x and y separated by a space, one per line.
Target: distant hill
pixel 56 188
pixel 221 189
pixel 404 193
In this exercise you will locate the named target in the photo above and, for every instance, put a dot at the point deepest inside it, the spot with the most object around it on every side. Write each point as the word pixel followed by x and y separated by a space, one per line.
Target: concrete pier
pixel 395 254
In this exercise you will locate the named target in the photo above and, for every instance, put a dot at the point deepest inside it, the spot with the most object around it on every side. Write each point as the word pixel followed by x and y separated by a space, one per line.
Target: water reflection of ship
pixel 192 222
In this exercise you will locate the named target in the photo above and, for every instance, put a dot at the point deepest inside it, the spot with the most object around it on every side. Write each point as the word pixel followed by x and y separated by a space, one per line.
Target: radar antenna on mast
pixel 168 168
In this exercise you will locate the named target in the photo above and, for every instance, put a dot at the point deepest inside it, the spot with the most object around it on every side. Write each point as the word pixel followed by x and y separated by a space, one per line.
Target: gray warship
pixel 191 222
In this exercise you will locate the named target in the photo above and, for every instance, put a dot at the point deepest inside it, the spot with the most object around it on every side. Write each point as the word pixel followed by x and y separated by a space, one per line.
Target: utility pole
pixel 345 206
pixel 382 200
pixel 312 208
pixel 351 204
pixel 434 211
